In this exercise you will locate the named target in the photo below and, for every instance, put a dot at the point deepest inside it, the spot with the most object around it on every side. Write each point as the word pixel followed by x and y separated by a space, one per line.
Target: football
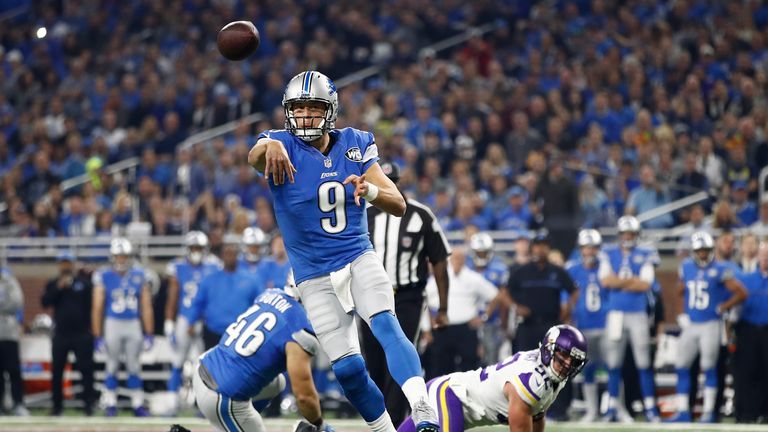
pixel 237 40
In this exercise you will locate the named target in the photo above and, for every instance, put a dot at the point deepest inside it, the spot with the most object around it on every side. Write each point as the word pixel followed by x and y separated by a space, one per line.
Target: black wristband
pixel 443 309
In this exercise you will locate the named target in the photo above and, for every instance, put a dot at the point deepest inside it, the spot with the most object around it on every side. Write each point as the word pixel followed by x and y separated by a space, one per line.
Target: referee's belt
pixel 411 287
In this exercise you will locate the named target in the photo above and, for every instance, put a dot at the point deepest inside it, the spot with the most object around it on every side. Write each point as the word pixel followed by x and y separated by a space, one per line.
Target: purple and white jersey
pixel 481 391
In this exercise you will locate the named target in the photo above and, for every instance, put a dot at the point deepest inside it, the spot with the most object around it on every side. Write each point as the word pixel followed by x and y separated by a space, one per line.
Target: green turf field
pixel 130 424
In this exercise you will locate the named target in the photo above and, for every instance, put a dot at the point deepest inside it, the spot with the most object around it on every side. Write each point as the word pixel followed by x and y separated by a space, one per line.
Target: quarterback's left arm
pixel 376 188
pixel 147 316
pixel 519 412
pixel 738 294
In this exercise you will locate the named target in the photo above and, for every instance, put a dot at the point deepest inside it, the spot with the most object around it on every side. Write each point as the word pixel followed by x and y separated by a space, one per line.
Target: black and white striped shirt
pixel 405 244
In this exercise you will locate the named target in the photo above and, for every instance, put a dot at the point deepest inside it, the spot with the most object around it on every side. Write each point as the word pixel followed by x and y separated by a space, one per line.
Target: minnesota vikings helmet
pixel 196 243
pixel 563 342
pixel 702 240
pixel 481 245
pixel 311 86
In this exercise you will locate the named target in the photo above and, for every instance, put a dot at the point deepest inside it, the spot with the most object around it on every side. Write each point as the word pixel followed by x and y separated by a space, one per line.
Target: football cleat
pixel 707 417
pixel 652 415
pixel 110 411
pixel 610 416
pixel 140 412
pixel 424 417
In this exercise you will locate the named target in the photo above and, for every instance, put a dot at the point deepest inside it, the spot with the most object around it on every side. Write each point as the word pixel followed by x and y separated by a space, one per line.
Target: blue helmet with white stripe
pixel 311 86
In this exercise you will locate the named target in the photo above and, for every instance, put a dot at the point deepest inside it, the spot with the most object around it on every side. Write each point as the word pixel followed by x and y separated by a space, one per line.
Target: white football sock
pixel 415 389
pixel 590 398
pixel 382 424
pixel 710 394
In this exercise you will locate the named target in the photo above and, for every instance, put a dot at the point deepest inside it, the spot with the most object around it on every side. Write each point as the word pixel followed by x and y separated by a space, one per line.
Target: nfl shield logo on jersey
pixel 354 154
pixel 327 163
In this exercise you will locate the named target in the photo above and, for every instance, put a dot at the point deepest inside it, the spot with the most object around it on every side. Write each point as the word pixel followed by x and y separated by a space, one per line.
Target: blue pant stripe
pixel 226 417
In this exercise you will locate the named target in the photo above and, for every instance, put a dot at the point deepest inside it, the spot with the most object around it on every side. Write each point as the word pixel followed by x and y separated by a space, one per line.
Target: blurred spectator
pixel 516 216
pixel 39 180
pixel 11 302
pixel 761 226
pixel 275 268
pixel 746 211
pixel 723 217
pixel 648 196
pixel 75 221
pixel 748 250
pixel 558 201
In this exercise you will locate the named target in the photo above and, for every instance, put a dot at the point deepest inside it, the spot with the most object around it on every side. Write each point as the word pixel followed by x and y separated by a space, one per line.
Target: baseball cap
pixel 391 170
pixel 65 256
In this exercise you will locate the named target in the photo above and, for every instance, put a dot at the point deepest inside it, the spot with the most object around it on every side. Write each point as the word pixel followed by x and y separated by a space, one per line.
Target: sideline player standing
pixel 704 283
pixel 324 226
pixel 589 313
pixel 517 391
pixel 121 293
pixel 185 274
pixel 628 271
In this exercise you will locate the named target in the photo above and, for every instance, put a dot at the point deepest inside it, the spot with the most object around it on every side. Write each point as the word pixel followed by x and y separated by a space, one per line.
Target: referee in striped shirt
pixel 407 246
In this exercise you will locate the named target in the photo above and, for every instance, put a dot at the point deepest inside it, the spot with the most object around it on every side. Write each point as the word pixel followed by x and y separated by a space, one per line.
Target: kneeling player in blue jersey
pixel 243 372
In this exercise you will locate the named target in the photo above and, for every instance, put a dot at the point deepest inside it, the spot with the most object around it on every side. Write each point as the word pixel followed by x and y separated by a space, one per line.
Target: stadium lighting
pixel 41 32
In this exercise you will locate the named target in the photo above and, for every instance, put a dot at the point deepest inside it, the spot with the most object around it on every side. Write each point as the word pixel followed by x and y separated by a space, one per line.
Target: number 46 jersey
pixel 481 391
pixel 251 353
pixel 323 228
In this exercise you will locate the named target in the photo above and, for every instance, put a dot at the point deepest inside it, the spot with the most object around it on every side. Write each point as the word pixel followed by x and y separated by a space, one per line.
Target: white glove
pixel 683 321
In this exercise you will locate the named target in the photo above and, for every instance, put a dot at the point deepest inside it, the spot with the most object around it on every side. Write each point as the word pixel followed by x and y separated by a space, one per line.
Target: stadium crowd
pixel 563 115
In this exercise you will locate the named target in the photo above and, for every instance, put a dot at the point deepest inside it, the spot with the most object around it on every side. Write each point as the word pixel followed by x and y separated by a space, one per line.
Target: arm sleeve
pixel 485 289
pixel 647 273
pixel 435 243
pixel 605 269
pixel 566 282
pixel 51 295
pixel 307 341
pixel 370 151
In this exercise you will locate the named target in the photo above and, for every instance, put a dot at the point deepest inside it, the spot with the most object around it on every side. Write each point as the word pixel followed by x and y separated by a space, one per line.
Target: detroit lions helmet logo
pixel 331 87
pixel 354 154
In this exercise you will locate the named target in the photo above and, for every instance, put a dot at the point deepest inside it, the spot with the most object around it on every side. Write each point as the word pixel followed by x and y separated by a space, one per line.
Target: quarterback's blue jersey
pixel 222 296
pixel 589 312
pixel 626 266
pixel 188 277
pixel 273 273
pixel 323 228
pixel 122 293
pixel 252 351
pixel 704 288
pixel 495 272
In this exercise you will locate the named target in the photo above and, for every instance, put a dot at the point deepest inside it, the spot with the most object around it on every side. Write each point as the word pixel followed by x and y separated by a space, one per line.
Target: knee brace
pixel 402 359
pixel 358 387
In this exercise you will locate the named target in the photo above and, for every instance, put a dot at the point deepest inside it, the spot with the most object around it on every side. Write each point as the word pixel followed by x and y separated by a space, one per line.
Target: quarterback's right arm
pixel 269 156
pixel 299 367
pixel 519 413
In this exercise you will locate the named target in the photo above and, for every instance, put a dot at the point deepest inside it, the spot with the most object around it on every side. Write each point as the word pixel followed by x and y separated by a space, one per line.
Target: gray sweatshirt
pixel 11 301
